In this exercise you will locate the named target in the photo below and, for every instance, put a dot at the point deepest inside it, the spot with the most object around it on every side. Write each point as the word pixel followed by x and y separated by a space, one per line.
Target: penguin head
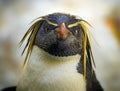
pixel 57 37
pixel 60 35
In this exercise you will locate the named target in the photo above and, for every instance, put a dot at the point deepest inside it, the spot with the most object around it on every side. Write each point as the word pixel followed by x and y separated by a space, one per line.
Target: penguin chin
pixel 62 53
pixel 61 50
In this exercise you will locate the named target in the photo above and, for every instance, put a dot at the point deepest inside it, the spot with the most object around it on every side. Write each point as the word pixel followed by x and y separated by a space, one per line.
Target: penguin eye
pixel 75 32
pixel 47 30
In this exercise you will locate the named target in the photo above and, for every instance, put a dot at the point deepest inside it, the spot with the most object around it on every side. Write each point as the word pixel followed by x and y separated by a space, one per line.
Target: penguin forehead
pixel 60 18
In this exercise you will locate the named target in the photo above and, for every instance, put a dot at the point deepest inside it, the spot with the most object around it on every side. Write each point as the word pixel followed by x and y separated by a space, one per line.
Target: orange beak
pixel 62 31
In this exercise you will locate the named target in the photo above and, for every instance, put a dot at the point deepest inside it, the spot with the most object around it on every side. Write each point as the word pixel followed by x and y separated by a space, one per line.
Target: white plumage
pixel 45 72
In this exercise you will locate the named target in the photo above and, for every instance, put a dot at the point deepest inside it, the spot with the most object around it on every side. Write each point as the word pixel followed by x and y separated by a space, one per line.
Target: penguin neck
pixel 39 54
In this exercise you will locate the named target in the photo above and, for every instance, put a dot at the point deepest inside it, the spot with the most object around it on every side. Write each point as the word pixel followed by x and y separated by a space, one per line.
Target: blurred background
pixel 103 15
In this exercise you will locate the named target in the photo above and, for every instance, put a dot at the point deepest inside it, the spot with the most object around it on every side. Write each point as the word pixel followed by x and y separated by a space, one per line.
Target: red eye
pixel 75 32
pixel 46 30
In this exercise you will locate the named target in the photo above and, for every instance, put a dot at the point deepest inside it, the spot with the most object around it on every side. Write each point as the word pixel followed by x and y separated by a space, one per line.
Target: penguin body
pixel 45 72
pixel 59 56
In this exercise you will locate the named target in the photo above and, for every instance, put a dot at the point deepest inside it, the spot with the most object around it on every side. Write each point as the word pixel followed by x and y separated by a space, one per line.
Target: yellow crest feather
pixel 32 31
pixel 86 42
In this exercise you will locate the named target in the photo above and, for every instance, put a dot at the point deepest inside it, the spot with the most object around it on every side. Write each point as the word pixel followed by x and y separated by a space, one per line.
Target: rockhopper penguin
pixel 59 56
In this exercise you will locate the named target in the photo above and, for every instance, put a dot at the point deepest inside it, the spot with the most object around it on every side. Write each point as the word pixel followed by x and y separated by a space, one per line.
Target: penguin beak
pixel 62 31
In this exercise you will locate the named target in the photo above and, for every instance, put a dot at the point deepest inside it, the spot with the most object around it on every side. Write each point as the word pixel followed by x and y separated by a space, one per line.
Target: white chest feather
pixel 50 73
